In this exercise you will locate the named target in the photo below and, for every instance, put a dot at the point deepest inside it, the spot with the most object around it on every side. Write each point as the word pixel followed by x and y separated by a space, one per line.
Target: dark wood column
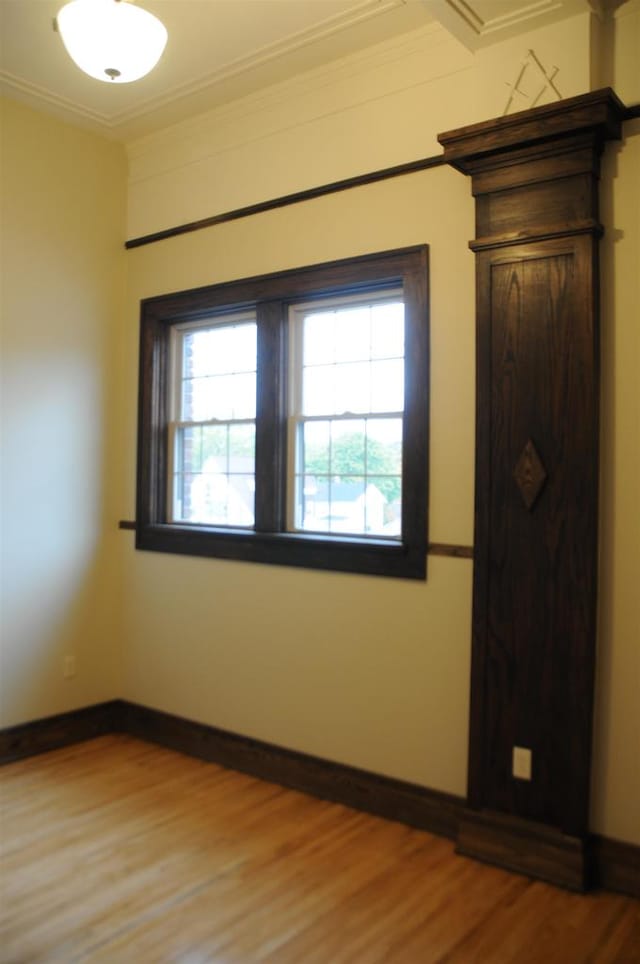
pixel 535 180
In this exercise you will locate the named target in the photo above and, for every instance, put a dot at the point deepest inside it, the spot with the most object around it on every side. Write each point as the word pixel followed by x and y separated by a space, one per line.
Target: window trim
pixel 271 296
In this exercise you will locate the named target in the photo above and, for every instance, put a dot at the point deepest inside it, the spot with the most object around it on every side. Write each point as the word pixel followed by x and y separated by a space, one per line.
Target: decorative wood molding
pixel 360 180
pixel 615 865
pixel 383 796
pixel 434 548
pixel 54 732
pixel 447 549
pixel 535 179
pixel 524 847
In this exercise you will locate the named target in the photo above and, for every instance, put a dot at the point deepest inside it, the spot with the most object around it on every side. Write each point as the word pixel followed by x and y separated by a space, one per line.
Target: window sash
pixel 268 298
pixel 297 419
pixel 177 423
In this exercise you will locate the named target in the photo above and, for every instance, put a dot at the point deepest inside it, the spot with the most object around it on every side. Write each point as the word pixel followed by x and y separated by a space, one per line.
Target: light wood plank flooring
pixel 120 852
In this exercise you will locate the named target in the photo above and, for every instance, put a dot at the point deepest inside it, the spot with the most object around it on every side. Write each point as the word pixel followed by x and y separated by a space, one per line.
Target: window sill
pixel 344 554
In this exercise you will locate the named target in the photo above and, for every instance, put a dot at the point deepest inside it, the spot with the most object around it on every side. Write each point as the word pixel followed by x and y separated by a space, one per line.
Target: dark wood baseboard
pixel 516 845
pixel 525 847
pixel 54 732
pixel 616 865
pixel 383 796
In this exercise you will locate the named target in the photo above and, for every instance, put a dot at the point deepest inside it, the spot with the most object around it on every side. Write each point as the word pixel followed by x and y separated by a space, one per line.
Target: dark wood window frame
pixel 271 295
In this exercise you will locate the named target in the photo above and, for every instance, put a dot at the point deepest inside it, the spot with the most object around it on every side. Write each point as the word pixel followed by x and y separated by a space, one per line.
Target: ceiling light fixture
pixel 111 40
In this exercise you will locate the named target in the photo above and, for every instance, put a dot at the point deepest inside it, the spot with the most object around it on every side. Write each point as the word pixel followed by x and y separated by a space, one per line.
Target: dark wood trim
pixel 510 238
pixel 615 865
pixel 360 180
pixel 270 296
pixel 470 148
pixel 54 732
pixel 433 549
pixel 383 796
pixel 447 549
pixel 525 847
pixel 535 182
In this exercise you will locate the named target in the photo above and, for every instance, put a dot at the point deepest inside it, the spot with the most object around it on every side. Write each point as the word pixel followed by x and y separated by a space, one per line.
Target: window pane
pixel 387 330
pixel 219 350
pixel 387 386
pixel 218 373
pixel 348 447
pixel 351 468
pixel 352 387
pixel 215 498
pixel 318 390
pixel 242 447
pixel 319 338
pixel 347 510
pixel 353 334
pixel 214 482
pixel 384 446
pixel 383 505
pixel 189 450
pixel 316 443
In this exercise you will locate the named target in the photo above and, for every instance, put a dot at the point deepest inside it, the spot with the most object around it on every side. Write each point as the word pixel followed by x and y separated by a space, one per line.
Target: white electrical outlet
pixel 69 666
pixel 521 767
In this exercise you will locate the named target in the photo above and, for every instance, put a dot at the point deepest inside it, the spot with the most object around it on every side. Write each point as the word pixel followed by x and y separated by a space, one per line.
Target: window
pixel 284 418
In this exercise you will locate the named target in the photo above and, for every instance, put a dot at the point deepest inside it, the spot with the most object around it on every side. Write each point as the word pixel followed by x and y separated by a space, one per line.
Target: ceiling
pixel 219 50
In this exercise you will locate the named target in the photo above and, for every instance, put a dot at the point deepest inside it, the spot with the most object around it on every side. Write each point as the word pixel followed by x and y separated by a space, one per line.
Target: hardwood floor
pixel 120 852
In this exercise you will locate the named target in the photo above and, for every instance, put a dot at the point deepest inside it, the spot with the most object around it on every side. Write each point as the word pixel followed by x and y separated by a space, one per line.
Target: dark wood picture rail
pixel 359 180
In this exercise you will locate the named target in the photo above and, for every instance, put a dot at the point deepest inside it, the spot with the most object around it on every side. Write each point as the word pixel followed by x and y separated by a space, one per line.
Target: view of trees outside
pixel 348 441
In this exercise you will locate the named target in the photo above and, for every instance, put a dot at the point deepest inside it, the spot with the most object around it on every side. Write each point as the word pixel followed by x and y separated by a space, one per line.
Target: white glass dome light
pixel 111 40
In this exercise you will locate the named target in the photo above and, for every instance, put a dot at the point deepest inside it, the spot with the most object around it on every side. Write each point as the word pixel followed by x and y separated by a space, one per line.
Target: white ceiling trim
pixel 10 84
pixel 108 124
pixel 516 15
pixel 300 86
pixel 264 55
pixel 475 28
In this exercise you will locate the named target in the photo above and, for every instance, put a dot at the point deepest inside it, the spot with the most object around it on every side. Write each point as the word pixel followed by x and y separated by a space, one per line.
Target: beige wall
pixel 364 670
pixel 616 774
pixel 369 671
pixel 372 672
pixel 62 284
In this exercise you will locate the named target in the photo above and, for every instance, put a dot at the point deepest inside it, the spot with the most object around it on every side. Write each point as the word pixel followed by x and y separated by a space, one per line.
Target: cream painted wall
pixel 616 774
pixel 381 107
pixel 368 671
pixel 375 672
pixel 63 268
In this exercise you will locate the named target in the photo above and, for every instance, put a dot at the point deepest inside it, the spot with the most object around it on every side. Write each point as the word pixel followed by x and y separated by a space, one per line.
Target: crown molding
pixel 301 87
pixel 41 98
pixel 466 21
pixel 119 124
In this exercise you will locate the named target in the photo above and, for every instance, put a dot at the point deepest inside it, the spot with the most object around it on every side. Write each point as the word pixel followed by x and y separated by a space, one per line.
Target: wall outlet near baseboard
pixel 69 669
pixel 521 766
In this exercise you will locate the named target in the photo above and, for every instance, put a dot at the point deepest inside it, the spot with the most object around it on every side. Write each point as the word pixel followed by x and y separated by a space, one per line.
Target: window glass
pixel 213 478
pixel 348 361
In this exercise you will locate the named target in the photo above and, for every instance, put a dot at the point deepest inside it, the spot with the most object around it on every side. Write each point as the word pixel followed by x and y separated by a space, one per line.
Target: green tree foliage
pixel 348 459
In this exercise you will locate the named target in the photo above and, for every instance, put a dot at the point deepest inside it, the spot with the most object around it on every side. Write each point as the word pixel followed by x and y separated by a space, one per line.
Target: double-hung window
pixel 284 419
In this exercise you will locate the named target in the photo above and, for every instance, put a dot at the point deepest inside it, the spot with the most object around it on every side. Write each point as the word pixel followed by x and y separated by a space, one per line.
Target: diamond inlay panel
pixel 530 474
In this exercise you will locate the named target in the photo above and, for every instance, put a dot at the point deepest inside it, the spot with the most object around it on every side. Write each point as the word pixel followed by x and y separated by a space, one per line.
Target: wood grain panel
pixel 535 179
